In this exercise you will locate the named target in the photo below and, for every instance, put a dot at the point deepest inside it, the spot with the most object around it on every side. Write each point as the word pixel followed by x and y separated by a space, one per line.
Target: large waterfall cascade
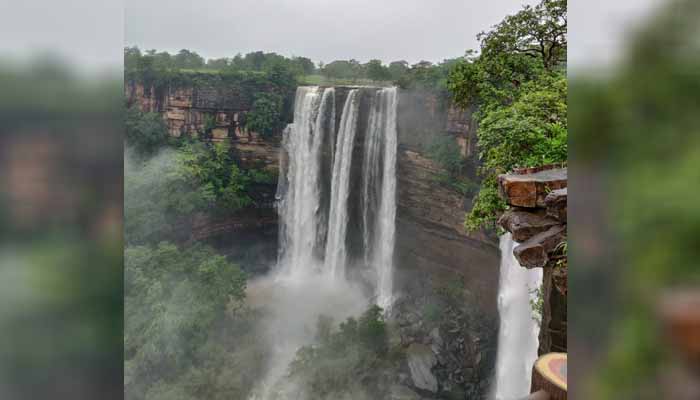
pixel 303 222
pixel 519 330
pixel 319 172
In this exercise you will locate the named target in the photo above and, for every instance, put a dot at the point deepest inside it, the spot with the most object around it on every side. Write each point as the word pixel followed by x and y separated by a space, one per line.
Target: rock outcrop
pixel 187 109
pixel 421 361
pixel 528 187
pixel 537 220
pixel 248 236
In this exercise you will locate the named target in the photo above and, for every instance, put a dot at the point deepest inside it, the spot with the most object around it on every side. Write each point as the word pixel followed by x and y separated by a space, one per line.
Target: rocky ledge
pixel 536 218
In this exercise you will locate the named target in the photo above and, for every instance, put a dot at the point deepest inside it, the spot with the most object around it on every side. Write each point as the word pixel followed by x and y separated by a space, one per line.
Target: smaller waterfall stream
pixel 383 254
pixel 517 336
pixel 336 251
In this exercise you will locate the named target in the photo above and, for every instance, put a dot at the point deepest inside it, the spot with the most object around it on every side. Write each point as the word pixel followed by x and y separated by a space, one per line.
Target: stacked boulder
pixel 536 218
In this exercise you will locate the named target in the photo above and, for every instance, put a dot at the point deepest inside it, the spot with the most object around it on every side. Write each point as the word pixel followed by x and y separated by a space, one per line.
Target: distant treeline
pixel 401 73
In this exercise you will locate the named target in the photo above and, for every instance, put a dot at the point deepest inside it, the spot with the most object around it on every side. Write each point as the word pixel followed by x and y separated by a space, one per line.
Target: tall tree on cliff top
pixel 538 32
pixel 519 83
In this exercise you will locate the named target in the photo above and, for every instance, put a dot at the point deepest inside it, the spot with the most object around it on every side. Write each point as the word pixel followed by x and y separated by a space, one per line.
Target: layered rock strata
pixel 537 198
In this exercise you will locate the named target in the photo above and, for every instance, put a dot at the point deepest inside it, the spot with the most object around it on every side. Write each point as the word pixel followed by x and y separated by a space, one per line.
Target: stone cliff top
pixel 529 189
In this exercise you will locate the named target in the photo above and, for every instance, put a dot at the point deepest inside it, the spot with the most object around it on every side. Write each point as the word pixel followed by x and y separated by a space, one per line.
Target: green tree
pixel 518 81
pixel 265 116
pixel 186 59
pixel 397 69
pixel 145 132
pixel 306 65
pixel 173 298
pixel 345 362
pixel 131 57
pixel 376 71
pixel 538 32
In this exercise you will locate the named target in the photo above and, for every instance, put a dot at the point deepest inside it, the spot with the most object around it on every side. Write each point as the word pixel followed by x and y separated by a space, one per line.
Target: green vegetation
pixel 145 132
pixel 519 83
pixel 537 303
pixel 266 115
pixel 349 360
pixel 443 150
pixel 182 180
pixel 186 60
pixel 186 330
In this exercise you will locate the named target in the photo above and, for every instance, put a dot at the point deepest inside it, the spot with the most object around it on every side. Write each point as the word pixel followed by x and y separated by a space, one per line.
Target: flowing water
pixel 336 251
pixel 385 230
pixel 315 200
pixel 517 336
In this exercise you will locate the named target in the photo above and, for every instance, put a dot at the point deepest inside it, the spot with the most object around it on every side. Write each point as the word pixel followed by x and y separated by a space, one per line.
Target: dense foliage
pixel 349 360
pixel 186 329
pixel 444 150
pixel 190 60
pixel 180 181
pixel 144 132
pixel 266 114
pixel 518 82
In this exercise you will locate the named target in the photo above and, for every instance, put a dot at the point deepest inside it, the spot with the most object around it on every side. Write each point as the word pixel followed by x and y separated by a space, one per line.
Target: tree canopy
pixel 518 82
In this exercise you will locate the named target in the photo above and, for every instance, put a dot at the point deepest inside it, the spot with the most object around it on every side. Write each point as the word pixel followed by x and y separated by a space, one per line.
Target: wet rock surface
pixel 421 361
pixel 445 327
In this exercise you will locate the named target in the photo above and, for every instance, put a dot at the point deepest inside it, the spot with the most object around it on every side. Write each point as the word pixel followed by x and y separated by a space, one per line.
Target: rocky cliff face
pixel 448 276
pixel 249 236
pixel 537 220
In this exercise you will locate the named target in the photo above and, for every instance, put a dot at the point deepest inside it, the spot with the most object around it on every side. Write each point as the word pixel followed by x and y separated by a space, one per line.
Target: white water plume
pixel 310 281
pixel 518 332
pixel 336 251
pixel 380 195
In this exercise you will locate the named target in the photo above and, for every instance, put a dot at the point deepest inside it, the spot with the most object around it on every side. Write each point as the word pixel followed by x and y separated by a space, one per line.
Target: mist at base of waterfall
pixel 291 306
pixel 313 276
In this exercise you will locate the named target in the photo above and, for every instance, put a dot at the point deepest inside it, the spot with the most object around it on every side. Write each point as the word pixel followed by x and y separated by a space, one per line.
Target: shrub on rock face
pixel 145 132
pixel 266 116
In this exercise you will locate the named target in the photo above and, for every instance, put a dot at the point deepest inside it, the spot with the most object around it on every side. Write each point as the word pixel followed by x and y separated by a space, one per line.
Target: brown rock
pixel 556 204
pixel 530 189
pixel 534 253
pixel 524 224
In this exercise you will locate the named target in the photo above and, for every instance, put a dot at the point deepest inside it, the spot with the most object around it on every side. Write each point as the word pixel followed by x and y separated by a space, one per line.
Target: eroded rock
pixel 400 392
pixel 534 253
pixel 529 189
pixel 556 204
pixel 524 224
pixel 421 360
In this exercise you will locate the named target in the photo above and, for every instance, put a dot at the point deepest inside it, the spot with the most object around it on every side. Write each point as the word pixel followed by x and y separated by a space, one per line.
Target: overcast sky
pixel 92 33
pixel 323 30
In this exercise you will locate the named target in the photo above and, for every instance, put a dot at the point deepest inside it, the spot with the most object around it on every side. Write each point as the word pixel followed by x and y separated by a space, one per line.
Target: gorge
pixel 360 214
pixel 326 231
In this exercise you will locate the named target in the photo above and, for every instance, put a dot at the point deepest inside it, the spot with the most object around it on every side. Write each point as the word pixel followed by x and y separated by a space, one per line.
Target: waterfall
pixel 336 251
pixel 299 208
pixel 316 206
pixel 517 336
pixel 380 194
